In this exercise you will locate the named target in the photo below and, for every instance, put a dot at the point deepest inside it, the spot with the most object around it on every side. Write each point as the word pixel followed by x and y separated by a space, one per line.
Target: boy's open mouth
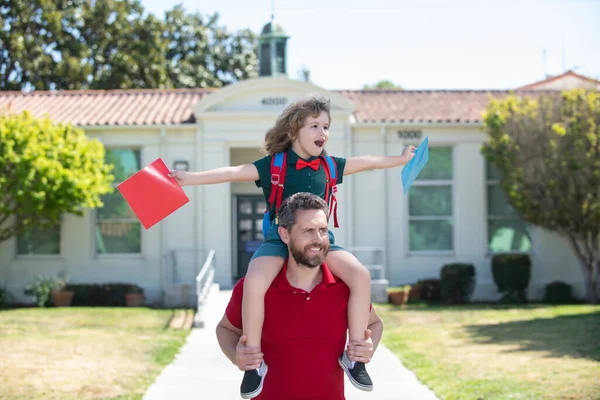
pixel 319 143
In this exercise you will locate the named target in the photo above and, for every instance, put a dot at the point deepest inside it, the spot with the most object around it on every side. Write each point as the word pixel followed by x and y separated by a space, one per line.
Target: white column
pixel 216 207
pixel 396 216
pixel 470 218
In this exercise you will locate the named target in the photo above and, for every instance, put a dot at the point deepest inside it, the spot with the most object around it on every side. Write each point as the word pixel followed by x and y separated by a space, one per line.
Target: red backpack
pixel 278 170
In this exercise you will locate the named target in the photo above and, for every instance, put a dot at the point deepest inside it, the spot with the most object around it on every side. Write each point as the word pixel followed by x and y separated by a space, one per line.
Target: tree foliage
pixel 547 150
pixel 384 84
pixel 46 170
pixel 114 44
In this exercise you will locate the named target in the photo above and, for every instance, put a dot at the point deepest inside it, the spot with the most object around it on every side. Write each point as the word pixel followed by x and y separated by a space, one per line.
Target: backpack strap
pixel 330 167
pixel 278 169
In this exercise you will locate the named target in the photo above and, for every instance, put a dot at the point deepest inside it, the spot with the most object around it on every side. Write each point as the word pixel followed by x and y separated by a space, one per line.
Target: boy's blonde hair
pixel 280 137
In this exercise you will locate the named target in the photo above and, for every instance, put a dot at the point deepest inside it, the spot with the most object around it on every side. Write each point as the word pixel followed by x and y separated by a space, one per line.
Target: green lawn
pixel 499 352
pixel 84 353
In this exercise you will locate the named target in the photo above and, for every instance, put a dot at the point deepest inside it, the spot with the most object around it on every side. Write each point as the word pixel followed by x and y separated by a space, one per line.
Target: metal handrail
pixel 205 277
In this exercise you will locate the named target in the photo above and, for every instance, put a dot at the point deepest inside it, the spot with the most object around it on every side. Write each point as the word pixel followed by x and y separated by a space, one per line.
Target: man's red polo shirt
pixel 303 336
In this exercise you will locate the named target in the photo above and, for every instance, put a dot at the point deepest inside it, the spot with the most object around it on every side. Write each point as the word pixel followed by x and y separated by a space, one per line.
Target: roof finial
pixel 272 10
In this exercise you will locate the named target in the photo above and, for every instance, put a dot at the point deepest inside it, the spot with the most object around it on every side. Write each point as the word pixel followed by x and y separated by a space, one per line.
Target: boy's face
pixel 313 136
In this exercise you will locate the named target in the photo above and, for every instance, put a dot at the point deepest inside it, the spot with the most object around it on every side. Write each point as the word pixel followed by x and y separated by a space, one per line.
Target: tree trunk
pixel 590 273
pixel 593 282
pixel 590 270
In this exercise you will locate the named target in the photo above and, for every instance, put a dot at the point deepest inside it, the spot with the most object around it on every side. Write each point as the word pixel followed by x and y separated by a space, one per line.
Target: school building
pixel 455 212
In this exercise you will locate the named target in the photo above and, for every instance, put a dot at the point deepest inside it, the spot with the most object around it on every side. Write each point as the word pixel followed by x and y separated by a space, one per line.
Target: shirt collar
pixel 292 157
pixel 282 282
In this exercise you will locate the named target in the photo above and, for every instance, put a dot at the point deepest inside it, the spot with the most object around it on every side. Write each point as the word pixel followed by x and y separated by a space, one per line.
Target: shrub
pixel 431 289
pixel 512 273
pixel 102 295
pixel 3 296
pixel 457 282
pixel 558 293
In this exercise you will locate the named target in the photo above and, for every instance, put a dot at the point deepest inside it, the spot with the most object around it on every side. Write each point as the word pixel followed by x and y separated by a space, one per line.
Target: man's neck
pixel 303 277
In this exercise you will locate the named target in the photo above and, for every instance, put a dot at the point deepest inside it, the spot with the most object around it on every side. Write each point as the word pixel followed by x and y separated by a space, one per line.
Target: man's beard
pixel 301 255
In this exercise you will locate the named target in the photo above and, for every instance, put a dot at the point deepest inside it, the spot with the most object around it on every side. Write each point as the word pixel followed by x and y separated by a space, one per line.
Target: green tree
pixel 384 84
pixel 113 44
pixel 32 34
pixel 46 170
pixel 548 153
pixel 203 54
pixel 124 48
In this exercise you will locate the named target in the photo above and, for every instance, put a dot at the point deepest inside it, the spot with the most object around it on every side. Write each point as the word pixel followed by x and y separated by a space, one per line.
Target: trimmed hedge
pixel 512 273
pixel 103 295
pixel 558 292
pixel 431 289
pixel 457 282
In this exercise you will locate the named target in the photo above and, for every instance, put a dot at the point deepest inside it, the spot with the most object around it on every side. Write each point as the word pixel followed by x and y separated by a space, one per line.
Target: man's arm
pixel 233 345
pixel 376 328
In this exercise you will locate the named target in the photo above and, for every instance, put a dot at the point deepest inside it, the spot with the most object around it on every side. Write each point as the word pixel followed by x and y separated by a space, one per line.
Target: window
pixel 430 222
pixel 265 59
pixel 38 241
pixel 118 230
pixel 507 232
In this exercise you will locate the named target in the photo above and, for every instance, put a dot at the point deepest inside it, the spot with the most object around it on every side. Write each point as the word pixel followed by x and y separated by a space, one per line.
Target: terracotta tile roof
pixel 438 106
pixel 109 107
pixel 584 78
pixel 173 106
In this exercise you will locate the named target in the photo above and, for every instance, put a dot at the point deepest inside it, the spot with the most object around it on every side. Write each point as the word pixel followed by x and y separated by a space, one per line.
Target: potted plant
pixel 399 295
pixel 61 296
pixel 415 291
pixel 46 288
pixel 134 297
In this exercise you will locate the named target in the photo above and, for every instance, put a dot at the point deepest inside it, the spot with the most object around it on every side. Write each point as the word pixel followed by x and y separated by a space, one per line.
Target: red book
pixel 151 194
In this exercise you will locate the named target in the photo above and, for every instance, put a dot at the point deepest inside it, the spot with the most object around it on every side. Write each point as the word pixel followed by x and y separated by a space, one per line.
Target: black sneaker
pixel 356 372
pixel 252 383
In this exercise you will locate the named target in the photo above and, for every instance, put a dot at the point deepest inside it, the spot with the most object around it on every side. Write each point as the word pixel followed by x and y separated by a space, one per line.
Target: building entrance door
pixel 250 212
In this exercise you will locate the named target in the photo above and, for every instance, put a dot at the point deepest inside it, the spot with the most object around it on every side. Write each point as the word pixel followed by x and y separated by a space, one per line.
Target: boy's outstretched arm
pixel 240 173
pixel 363 163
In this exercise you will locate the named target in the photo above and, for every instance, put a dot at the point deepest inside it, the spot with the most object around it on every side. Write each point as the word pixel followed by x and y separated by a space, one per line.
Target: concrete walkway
pixel 202 357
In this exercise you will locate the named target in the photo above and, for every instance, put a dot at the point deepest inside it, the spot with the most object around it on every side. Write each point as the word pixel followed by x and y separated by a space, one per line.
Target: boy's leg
pixel 261 273
pixel 262 270
pixel 347 267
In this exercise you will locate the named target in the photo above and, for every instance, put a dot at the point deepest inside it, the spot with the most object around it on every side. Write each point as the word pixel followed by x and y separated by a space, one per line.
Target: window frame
pixel 496 182
pixel 452 217
pixel 94 247
pixel 61 247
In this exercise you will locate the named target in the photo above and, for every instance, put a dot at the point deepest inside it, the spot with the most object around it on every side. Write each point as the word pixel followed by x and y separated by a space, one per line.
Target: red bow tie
pixel 314 164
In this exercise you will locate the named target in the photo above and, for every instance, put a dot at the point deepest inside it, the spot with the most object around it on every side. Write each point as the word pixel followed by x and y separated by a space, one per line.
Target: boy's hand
pixel 182 177
pixel 409 152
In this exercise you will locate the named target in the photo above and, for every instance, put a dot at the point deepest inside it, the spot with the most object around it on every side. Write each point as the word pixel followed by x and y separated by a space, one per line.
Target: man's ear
pixel 283 234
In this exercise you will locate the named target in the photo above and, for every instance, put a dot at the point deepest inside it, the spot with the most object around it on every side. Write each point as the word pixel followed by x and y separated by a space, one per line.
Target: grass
pixel 85 353
pixel 502 352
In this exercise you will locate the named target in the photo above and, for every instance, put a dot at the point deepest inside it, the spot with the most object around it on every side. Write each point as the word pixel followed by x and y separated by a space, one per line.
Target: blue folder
pixel 414 166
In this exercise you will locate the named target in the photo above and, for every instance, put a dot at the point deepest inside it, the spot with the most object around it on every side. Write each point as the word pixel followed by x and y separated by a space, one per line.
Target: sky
pixel 424 44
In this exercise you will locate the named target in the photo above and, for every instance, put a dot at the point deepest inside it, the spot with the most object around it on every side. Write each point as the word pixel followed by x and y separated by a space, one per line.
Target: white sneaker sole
pixel 353 381
pixel 259 389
